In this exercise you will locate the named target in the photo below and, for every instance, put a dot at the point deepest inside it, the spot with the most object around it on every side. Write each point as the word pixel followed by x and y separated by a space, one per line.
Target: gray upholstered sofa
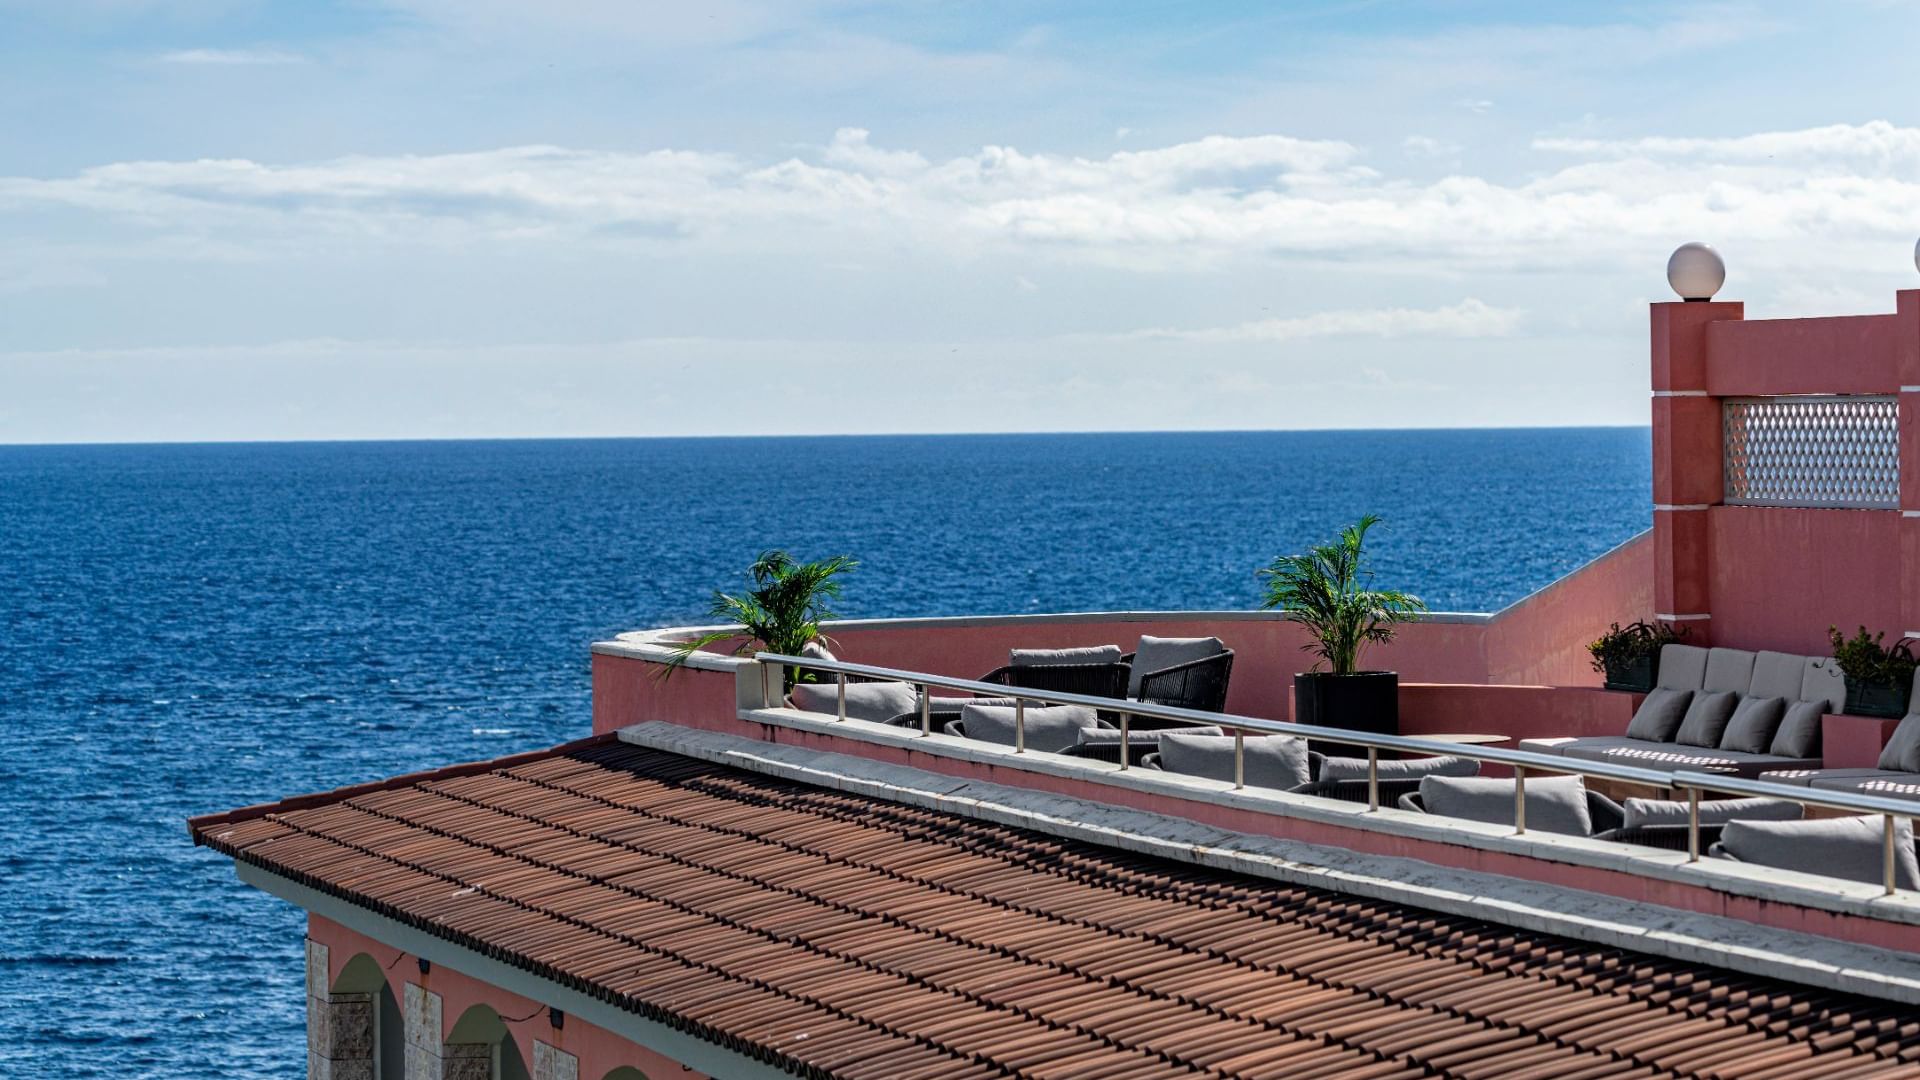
pixel 1896 775
pixel 1715 710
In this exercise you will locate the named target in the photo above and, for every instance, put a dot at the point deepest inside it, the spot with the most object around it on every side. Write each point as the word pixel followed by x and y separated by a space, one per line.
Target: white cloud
pixel 231 57
pixel 1468 319
pixel 1189 204
pixel 1428 146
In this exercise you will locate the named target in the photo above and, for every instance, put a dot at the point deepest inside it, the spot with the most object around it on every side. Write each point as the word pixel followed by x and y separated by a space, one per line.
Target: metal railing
pixel 1520 761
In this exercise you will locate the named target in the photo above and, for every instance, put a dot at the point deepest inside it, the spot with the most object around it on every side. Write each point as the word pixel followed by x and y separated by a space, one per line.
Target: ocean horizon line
pixel 373 440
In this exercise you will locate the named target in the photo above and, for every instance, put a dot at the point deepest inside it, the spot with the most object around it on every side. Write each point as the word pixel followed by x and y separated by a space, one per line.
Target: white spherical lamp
pixel 1696 271
pixel 1916 254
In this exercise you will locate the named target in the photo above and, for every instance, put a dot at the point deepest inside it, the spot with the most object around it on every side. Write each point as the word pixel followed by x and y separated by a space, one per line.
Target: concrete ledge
pixel 1720 875
pixel 1706 939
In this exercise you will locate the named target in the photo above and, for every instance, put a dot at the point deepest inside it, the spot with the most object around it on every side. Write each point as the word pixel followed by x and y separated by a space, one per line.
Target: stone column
pixel 339 1026
pixel 1688 475
pixel 550 1063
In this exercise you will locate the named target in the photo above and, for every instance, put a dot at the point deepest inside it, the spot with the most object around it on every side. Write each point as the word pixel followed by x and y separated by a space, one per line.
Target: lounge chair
pixel 1555 804
pixel 1282 763
pixel 1848 847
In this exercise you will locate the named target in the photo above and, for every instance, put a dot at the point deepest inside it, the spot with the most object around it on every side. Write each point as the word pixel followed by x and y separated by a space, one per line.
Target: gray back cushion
pixel 1270 761
pixel 1824 682
pixel 1349 768
pixel 1728 669
pixel 1707 717
pixel 1085 654
pixel 1160 653
pixel 1902 752
pixel 817 650
pixel 875 701
pixel 1683 667
pixel 1847 847
pixel 1755 719
pixel 1555 804
pixel 1798 735
pixel 1659 716
pixel 1641 813
pixel 1050 728
pixel 1778 674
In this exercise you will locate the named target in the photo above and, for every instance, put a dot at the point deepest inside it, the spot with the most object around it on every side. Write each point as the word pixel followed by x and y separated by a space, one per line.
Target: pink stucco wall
pixel 1779 576
pixel 599 1051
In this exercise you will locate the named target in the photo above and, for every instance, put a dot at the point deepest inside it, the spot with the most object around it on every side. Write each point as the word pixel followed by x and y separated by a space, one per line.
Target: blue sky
pixel 231 219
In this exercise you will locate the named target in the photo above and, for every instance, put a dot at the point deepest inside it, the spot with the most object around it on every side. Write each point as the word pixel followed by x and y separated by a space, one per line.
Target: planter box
pixel 1638 675
pixel 1876 699
pixel 1364 701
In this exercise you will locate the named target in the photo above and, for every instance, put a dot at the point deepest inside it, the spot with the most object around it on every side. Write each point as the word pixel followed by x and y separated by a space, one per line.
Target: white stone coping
pixel 1727 876
pixel 1692 937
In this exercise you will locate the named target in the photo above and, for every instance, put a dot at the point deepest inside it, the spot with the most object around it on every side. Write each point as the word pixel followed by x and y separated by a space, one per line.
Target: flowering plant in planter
pixel 1629 656
pixel 1879 678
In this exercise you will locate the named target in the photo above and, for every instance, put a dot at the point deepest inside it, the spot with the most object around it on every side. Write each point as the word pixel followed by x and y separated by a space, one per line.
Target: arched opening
pixel 363 975
pixel 481 1026
pixel 625 1072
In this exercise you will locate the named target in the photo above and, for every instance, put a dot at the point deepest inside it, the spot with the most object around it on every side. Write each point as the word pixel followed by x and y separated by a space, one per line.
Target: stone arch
pixel 481 1033
pixel 625 1072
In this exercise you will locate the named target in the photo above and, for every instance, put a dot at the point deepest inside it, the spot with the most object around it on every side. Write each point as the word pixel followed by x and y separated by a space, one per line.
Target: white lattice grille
pixel 1813 451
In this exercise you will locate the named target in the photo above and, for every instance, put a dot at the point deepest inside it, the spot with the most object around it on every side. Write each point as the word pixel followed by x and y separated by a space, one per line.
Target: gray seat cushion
pixel 1889 783
pixel 1350 768
pixel 1754 721
pixel 1555 804
pixel 1672 757
pixel 878 702
pixel 1848 847
pixel 1803 777
pixel 1049 728
pixel 1824 682
pixel 1546 746
pixel 1902 752
pixel 1728 671
pixel 1798 735
pixel 1646 813
pixel 1683 667
pixel 1566 747
pixel 1270 761
pixel 1659 716
pixel 1777 674
pixel 1159 653
pixel 1085 654
pixel 1707 717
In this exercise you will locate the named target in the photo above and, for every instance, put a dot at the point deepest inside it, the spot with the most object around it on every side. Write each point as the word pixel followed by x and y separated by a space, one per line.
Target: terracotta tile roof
pixel 836 934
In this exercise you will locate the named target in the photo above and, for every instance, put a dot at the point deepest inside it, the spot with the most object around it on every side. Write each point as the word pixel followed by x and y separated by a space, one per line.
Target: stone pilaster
pixel 339 1026
pixel 550 1063
pixel 466 1061
pixel 420 1009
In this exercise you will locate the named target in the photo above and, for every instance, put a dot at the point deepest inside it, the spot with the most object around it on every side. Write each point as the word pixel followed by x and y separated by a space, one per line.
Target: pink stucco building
pixel 714 881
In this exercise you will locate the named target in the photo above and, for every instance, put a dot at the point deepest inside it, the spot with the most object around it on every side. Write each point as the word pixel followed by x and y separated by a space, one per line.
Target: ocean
pixel 192 628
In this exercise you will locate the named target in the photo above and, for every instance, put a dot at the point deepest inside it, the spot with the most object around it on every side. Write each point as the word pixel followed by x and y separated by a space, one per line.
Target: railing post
pixel 1126 741
pixel 1019 725
pixel 1519 799
pixel 843 695
pixel 766 700
pixel 1693 824
pixel 1373 778
pixel 1239 759
pixel 926 710
pixel 1886 854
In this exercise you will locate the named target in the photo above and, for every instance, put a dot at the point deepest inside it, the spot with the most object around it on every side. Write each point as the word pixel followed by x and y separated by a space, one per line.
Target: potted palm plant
pixel 781 613
pixel 1327 590
pixel 1878 678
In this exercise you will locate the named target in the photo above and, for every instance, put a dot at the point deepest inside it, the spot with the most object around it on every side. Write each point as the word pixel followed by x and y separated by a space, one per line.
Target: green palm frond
pixel 781 613
pixel 1325 590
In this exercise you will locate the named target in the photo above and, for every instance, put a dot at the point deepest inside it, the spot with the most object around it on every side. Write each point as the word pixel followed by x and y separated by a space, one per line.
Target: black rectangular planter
pixel 1876 699
pixel 1638 674
pixel 1364 701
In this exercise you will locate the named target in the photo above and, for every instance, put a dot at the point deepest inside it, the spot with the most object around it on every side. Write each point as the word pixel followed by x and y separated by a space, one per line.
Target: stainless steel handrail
pixel 1520 761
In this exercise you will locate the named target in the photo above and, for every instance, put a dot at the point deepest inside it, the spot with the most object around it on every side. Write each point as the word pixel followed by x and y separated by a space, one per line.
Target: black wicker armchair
pixel 1197 684
pixel 1093 680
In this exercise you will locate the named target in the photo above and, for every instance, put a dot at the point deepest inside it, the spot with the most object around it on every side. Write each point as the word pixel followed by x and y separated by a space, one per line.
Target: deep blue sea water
pixel 192 628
